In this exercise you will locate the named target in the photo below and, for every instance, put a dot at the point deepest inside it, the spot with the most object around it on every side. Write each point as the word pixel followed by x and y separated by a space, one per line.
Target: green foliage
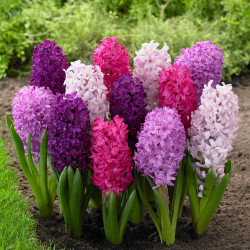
pixel 78 26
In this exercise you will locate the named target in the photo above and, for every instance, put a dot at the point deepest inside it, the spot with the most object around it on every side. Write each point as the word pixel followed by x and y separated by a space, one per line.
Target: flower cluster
pixel 48 67
pixel 148 64
pixel 31 112
pixel 212 130
pixel 111 157
pixel 204 61
pixel 69 132
pixel 87 82
pixel 176 90
pixel 127 100
pixel 113 59
pixel 161 145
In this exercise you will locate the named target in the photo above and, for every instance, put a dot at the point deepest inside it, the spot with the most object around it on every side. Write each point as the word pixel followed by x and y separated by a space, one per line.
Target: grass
pixel 17 227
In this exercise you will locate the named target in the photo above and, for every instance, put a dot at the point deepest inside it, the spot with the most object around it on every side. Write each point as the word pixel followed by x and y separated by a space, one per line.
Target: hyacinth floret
pixel 127 99
pixel 69 132
pixel 87 82
pixel 148 63
pixel 161 145
pixel 176 90
pixel 213 127
pixel 31 112
pixel 111 157
pixel 48 67
pixel 204 61
pixel 113 59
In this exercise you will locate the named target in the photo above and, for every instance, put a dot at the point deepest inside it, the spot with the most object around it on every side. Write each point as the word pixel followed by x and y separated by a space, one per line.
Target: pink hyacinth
pixel 148 64
pixel 212 130
pixel 111 156
pixel 176 90
pixel 87 82
pixel 113 59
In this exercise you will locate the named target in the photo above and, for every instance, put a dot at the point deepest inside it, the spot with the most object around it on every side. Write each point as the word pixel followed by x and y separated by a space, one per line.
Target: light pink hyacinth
pixel 147 66
pixel 213 127
pixel 87 81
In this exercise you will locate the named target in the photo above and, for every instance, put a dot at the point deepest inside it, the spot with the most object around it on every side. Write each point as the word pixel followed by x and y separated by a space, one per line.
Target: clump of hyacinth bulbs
pixel 137 139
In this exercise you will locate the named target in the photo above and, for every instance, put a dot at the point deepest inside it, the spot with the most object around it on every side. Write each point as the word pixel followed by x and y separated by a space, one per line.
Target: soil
pixel 229 229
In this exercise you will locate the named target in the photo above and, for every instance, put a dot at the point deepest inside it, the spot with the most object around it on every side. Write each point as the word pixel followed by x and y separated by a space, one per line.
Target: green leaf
pixel 126 213
pixel 148 206
pixel 76 204
pixel 104 216
pixel 208 188
pixel 43 171
pixel 52 188
pixel 229 168
pixel 63 192
pixel 53 170
pixel 165 218
pixel 209 210
pixel 70 175
pixel 191 179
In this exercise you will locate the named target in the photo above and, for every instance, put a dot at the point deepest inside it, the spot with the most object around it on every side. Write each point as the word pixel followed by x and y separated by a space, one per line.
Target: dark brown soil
pixel 229 229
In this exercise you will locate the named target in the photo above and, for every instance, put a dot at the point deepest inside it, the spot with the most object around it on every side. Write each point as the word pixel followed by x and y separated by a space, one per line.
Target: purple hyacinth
pixel 49 64
pixel 204 61
pixel 69 132
pixel 161 145
pixel 31 113
pixel 127 100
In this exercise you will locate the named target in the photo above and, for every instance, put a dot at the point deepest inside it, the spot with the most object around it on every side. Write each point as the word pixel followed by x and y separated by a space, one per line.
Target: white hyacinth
pixel 213 127
pixel 148 64
pixel 87 81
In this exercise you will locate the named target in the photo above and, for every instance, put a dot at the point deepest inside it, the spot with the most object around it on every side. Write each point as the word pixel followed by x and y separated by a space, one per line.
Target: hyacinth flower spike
pixel 43 185
pixel 74 194
pixel 159 157
pixel 212 131
pixel 112 173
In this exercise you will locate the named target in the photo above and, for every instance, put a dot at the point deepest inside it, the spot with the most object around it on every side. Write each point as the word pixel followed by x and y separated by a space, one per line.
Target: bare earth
pixel 229 229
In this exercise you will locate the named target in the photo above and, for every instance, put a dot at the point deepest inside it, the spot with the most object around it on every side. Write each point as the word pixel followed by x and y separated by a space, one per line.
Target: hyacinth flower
pixel 204 61
pixel 148 63
pixel 87 82
pixel 212 131
pixel 69 133
pixel 113 59
pixel 31 112
pixel 48 65
pixel 159 157
pixel 112 167
pixel 127 99
pixel 176 91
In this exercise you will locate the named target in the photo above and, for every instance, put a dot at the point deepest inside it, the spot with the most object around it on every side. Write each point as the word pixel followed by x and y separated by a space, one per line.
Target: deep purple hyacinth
pixel 161 145
pixel 48 67
pixel 127 100
pixel 31 112
pixel 204 61
pixel 69 132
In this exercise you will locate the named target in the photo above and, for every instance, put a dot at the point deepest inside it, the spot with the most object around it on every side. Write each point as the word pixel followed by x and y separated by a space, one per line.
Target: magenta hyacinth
pixel 161 145
pixel 111 156
pixel 127 99
pixel 48 67
pixel 69 132
pixel 204 61
pixel 31 109
pixel 176 90
pixel 113 59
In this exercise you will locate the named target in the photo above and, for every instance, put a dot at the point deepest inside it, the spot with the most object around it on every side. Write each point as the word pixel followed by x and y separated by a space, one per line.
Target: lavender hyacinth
pixel 161 145
pixel 48 67
pixel 213 127
pixel 127 99
pixel 31 113
pixel 69 132
pixel 204 61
